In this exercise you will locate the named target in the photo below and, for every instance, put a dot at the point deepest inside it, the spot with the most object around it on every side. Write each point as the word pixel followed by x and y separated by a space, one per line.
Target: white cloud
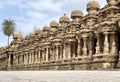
pixel 41 5
pixel 37 13
pixel 5 3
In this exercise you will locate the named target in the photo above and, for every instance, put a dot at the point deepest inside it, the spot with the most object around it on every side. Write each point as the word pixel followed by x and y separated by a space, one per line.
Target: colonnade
pixel 106 44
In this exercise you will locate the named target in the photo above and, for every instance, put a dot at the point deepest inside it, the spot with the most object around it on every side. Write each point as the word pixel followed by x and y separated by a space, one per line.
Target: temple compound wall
pixel 86 42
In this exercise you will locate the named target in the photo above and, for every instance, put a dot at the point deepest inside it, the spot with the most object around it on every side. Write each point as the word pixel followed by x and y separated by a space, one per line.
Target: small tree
pixel 8 28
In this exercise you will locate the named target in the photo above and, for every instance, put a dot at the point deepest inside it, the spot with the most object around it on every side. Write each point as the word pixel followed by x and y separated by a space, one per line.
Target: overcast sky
pixel 29 14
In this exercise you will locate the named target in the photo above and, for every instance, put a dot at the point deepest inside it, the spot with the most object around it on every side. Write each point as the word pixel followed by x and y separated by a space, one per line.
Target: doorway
pixel 11 59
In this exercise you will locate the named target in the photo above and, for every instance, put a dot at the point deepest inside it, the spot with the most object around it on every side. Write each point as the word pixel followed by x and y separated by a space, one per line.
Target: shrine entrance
pixel 11 59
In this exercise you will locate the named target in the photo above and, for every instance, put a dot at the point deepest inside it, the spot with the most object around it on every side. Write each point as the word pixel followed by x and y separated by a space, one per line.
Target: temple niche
pixel 84 42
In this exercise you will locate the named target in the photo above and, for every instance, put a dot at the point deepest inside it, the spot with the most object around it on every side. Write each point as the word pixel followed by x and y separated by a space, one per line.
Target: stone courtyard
pixel 60 76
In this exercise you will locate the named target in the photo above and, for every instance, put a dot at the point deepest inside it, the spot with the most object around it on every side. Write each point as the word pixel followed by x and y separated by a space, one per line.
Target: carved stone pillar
pixel 39 56
pixel 33 57
pixel 14 59
pixel 21 59
pixel 106 43
pixel 90 45
pixel 85 46
pixel 68 50
pixel 78 49
pixel 64 50
pixel 26 58
pixel 18 59
pixel 9 60
pixel 30 58
pixel 114 45
pixel 61 52
pixel 54 54
pixel 36 56
pixel 50 53
pixel 43 55
pixel 46 54
pixel 98 44
pixel 57 52
pixel 74 49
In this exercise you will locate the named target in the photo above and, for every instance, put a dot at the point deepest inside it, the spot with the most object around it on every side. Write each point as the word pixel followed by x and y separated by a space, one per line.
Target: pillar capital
pixel 106 33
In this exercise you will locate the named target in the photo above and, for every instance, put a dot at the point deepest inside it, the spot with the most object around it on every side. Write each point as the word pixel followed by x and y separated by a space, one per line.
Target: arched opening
pixel 18 59
pixel 102 38
pixel 82 43
pixel 59 53
pixel 74 49
pixel 41 58
pixel 76 45
pixel 48 54
pixel 23 58
pixel 95 44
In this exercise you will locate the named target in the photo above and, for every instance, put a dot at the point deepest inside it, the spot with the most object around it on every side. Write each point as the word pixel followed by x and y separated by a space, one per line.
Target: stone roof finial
pixel 54 24
pixel 37 31
pixel 17 36
pixel 111 2
pixel 93 7
pixel 64 18
pixel 76 13
pixel 46 28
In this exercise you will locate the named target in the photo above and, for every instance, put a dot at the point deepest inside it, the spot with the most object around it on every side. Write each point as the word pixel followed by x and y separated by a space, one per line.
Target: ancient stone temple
pixel 90 42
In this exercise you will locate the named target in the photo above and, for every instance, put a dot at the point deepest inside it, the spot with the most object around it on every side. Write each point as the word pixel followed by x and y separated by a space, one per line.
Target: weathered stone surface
pixel 83 43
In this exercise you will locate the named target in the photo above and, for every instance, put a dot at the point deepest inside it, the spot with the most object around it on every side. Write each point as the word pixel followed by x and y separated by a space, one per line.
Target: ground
pixel 60 76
